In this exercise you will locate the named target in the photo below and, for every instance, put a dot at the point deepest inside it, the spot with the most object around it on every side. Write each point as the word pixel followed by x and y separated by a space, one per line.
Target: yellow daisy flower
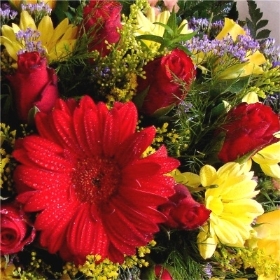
pixel 147 26
pixel 229 194
pixel 58 42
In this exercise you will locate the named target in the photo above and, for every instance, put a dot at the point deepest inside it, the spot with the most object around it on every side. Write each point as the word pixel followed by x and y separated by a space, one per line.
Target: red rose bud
pixel 163 91
pixel 182 211
pixel 102 19
pixel 162 273
pixel 248 129
pixel 33 84
pixel 16 231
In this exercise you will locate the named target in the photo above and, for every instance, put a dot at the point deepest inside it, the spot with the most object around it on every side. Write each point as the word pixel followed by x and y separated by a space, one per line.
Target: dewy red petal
pixel 85 176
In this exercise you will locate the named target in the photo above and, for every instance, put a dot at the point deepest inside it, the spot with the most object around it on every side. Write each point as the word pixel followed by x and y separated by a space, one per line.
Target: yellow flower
pixel 269 158
pixel 147 26
pixel 268 235
pixel 229 194
pixel 58 42
pixel 252 66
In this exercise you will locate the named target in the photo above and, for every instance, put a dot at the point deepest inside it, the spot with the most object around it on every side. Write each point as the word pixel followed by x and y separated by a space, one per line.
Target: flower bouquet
pixel 139 140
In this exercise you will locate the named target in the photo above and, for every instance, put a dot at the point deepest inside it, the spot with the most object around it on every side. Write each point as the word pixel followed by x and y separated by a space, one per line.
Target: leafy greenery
pixel 255 23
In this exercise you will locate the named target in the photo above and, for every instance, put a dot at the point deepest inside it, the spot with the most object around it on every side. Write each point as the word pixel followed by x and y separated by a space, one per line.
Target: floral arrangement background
pixel 139 140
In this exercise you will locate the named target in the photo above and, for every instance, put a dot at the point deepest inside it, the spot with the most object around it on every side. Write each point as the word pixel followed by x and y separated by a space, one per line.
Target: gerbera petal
pixel 129 238
pixel 127 113
pixel 134 146
pixel 141 197
pixel 53 239
pixel 64 128
pixel 86 236
pixel 40 179
pixel 142 217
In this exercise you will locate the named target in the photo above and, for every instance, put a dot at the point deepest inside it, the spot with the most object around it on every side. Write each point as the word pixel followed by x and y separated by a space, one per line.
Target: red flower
pixel 34 84
pixel 16 231
pixel 163 91
pixel 102 19
pixel 182 211
pixel 248 129
pixel 85 175
pixel 162 273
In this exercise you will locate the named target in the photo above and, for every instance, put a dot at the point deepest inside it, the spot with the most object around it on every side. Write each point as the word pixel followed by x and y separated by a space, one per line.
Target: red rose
pixel 102 19
pixel 182 211
pixel 248 129
pixel 163 91
pixel 162 273
pixel 16 231
pixel 34 84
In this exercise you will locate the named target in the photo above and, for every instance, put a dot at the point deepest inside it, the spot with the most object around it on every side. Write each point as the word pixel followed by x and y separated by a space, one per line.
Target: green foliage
pixel 216 10
pixel 255 23
pixel 172 36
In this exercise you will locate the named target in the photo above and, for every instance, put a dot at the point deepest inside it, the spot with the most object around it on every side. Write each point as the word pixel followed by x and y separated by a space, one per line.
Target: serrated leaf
pixel 262 23
pixel 263 34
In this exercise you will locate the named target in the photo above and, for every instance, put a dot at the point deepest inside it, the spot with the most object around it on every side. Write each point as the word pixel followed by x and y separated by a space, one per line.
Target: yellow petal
pixel 26 21
pixel 208 175
pixel 45 28
pixel 231 28
pixel 250 206
pixel 190 179
pixel 58 32
pixel 61 50
pixel 71 33
pixel 268 155
pixel 206 244
pixel 271 170
pixel 251 97
pixel 11 47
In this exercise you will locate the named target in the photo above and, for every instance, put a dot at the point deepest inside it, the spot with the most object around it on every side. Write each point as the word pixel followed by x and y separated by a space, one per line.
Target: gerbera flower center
pixel 96 179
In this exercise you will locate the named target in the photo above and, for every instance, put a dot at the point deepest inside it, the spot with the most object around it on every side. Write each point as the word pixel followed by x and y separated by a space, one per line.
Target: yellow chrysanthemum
pixel 229 194
pixel 58 42
pixel 147 26
pixel 269 158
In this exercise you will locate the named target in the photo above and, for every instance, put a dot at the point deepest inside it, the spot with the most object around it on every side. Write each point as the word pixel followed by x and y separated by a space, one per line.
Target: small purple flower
pixel 6 14
pixel 28 40
pixel 271 51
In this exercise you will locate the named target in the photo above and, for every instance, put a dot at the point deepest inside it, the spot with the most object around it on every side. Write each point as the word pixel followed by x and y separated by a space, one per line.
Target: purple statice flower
pixel 240 49
pixel 198 24
pixel 208 270
pixel 271 51
pixel 202 25
pixel 6 14
pixel 37 11
pixel 28 39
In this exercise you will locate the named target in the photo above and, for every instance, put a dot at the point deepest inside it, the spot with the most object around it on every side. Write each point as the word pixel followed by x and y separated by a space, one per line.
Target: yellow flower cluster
pixel 229 193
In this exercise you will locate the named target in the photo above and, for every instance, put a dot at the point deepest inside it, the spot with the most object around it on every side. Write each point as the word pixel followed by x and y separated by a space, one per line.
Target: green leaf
pixel 263 34
pixel 153 38
pixel 162 111
pixel 168 30
pixel 262 23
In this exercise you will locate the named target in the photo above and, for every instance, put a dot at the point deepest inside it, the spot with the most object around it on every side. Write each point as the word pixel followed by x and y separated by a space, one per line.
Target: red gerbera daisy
pixel 85 175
